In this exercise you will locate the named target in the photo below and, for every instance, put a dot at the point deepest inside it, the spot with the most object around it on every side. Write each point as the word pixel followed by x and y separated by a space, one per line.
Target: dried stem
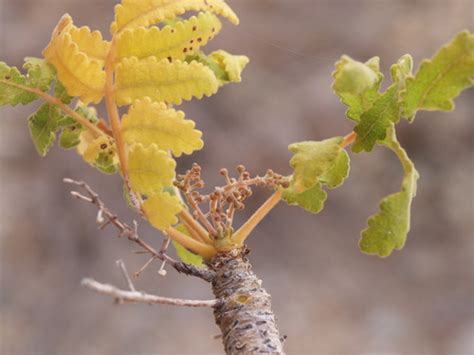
pixel 131 233
pixel 125 275
pixel 140 297
pixel 138 273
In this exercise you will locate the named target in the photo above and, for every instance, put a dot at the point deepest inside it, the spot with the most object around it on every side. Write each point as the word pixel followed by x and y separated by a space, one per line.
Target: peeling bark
pixel 245 316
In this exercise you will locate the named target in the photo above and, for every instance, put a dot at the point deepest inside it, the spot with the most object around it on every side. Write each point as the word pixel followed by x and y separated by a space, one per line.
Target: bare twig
pixel 139 272
pixel 127 278
pixel 163 249
pixel 131 233
pixel 141 297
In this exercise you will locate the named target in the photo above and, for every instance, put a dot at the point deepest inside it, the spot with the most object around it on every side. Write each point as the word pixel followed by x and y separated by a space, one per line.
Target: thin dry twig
pixel 140 297
pixel 163 249
pixel 132 234
pixel 127 278
pixel 139 272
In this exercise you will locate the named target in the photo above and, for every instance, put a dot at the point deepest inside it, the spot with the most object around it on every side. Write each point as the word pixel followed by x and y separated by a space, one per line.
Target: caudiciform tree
pixel 153 61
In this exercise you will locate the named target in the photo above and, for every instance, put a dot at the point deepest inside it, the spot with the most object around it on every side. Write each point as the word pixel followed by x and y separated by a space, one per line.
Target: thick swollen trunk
pixel 245 316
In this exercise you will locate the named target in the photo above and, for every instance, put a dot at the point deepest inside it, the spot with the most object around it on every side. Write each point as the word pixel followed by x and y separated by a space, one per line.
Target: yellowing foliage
pixel 150 169
pixel 161 209
pixel 162 80
pixel 233 65
pixel 90 43
pixel 68 51
pixel 136 13
pixel 93 150
pixel 150 123
pixel 171 42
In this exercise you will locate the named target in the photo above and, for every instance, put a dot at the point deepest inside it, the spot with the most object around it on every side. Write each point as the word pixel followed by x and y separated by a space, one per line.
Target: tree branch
pixel 108 218
pixel 141 297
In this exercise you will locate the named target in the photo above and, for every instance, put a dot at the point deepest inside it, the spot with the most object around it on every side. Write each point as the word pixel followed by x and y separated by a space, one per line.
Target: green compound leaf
pixel 40 73
pixel 184 254
pixel 106 163
pixel 43 125
pixel 9 93
pixel 312 200
pixel 387 230
pixel 439 80
pixel 357 84
pixel 70 136
pixel 60 92
pixel 374 123
pixel 339 171
pixel 312 160
pixel 315 164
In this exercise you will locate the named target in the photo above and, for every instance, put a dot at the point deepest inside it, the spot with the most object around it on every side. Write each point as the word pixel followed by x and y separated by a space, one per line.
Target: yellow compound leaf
pixel 150 123
pixel 171 42
pixel 90 43
pixel 81 75
pixel 137 13
pixel 150 169
pixel 161 210
pixel 162 80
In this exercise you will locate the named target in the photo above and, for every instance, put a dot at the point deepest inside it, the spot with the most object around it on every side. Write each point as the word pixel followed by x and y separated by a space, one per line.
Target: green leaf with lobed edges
pixel 387 230
pixel 61 93
pixel 43 125
pixel 184 254
pixel 311 200
pixel 322 164
pixel 311 160
pixel 106 163
pixel 9 93
pixel 338 172
pixel 440 79
pixel 386 109
pixel 357 84
pixel 40 73
pixel 70 135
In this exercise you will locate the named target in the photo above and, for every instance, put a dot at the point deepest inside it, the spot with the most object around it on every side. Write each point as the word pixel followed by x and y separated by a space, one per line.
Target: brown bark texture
pixel 245 317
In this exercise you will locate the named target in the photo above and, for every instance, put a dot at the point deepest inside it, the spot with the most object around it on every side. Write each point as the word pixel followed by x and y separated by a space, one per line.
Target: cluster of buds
pixel 222 203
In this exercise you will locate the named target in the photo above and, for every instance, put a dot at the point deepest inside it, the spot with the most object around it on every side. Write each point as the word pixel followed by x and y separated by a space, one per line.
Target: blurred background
pixel 329 298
